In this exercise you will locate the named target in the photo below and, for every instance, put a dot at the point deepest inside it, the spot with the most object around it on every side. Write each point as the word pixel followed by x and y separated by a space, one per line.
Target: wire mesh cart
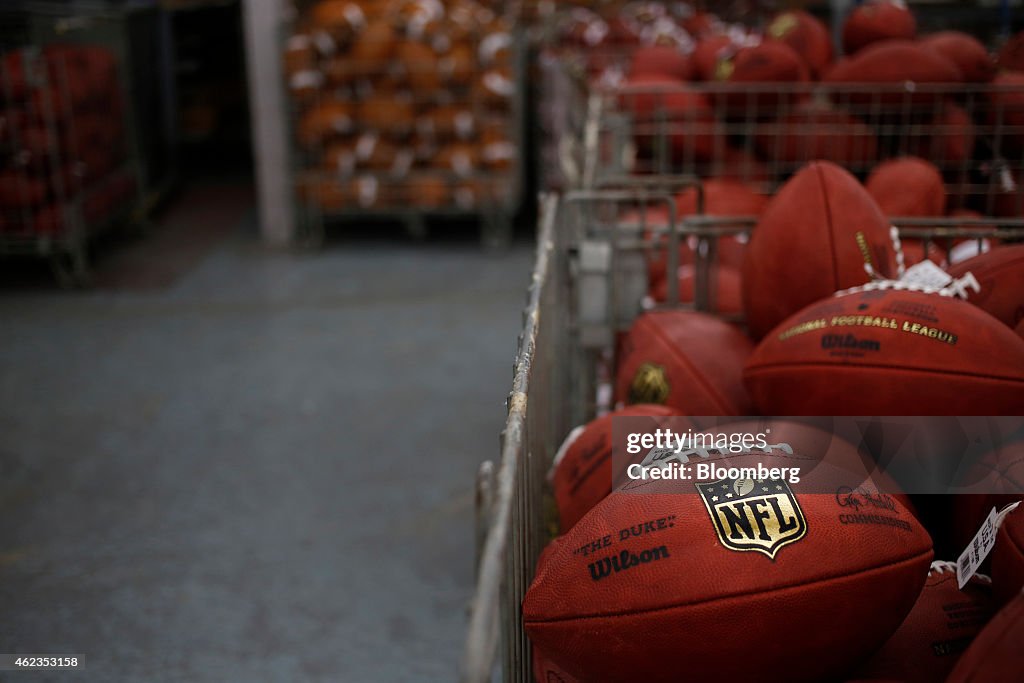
pixel 69 160
pixel 586 287
pixel 413 118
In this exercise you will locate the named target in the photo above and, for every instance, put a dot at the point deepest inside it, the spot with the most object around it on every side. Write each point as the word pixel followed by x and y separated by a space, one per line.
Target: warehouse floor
pixel 255 466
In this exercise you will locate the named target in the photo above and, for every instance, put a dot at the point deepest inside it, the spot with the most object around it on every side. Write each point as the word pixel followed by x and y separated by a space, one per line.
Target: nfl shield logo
pixel 761 515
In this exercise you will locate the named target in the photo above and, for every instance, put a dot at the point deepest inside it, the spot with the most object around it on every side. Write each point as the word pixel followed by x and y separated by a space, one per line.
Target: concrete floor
pixel 259 472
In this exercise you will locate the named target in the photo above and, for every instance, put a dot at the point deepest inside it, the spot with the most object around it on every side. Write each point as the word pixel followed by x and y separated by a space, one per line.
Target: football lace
pixel 956 288
pixel 941 567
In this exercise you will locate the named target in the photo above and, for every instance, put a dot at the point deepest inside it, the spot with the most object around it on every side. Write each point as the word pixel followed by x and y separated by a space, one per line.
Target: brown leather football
pixel 691 362
pixel 323 121
pixel 964 50
pixel 583 471
pixel 908 186
pixel 1000 275
pixel 877 20
pixel 816 236
pixel 888 352
pixel 940 626
pixel 996 655
pixel 671 580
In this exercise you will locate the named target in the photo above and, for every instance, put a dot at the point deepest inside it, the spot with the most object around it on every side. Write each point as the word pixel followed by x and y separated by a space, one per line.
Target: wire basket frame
pixel 68 165
pixel 563 365
pixel 763 133
pixel 374 139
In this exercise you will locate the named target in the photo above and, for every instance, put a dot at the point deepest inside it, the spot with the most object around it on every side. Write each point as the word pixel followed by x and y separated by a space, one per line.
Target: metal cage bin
pixel 587 287
pixel 406 118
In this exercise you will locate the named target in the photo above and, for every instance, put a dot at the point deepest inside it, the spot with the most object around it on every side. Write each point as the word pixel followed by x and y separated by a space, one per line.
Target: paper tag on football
pixel 926 275
pixel 977 550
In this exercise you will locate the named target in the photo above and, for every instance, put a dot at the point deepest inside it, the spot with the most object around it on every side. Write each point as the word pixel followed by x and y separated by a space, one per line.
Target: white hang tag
pixel 926 275
pixel 977 550
pixel 980 546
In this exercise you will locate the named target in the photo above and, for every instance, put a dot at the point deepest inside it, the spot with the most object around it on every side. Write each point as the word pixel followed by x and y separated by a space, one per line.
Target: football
pixel 582 473
pixel 948 139
pixel 814 130
pixel 724 294
pixel 661 60
pixel 877 20
pixel 897 63
pixel 324 121
pixel 387 112
pixel 722 197
pixel 1007 104
pixel 420 64
pixel 375 44
pixel 458 65
pixel 662 105
pixel 996 655
pixel 691 362
pixel 907 186
pixel 544 669
pixel 816 236
pixel 1008 554
pixel 940 626
pixel 709 52
pixel 806 35
pixel 739 163
pixel 375 153
pixel 770 62
pixel 446 121
pixel 698 23
pixel 299 54
pixel 339 18
pixel 965 51
pixel 460 158
pixel 668 580
pixel 430 191
pixel 1011 54
pixel 888 351
pixel 1000 275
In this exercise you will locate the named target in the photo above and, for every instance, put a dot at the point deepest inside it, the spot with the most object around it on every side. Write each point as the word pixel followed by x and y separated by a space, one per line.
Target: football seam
pixel 779 589
pixel 753 369
pixel 720 400
pixel 831 227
